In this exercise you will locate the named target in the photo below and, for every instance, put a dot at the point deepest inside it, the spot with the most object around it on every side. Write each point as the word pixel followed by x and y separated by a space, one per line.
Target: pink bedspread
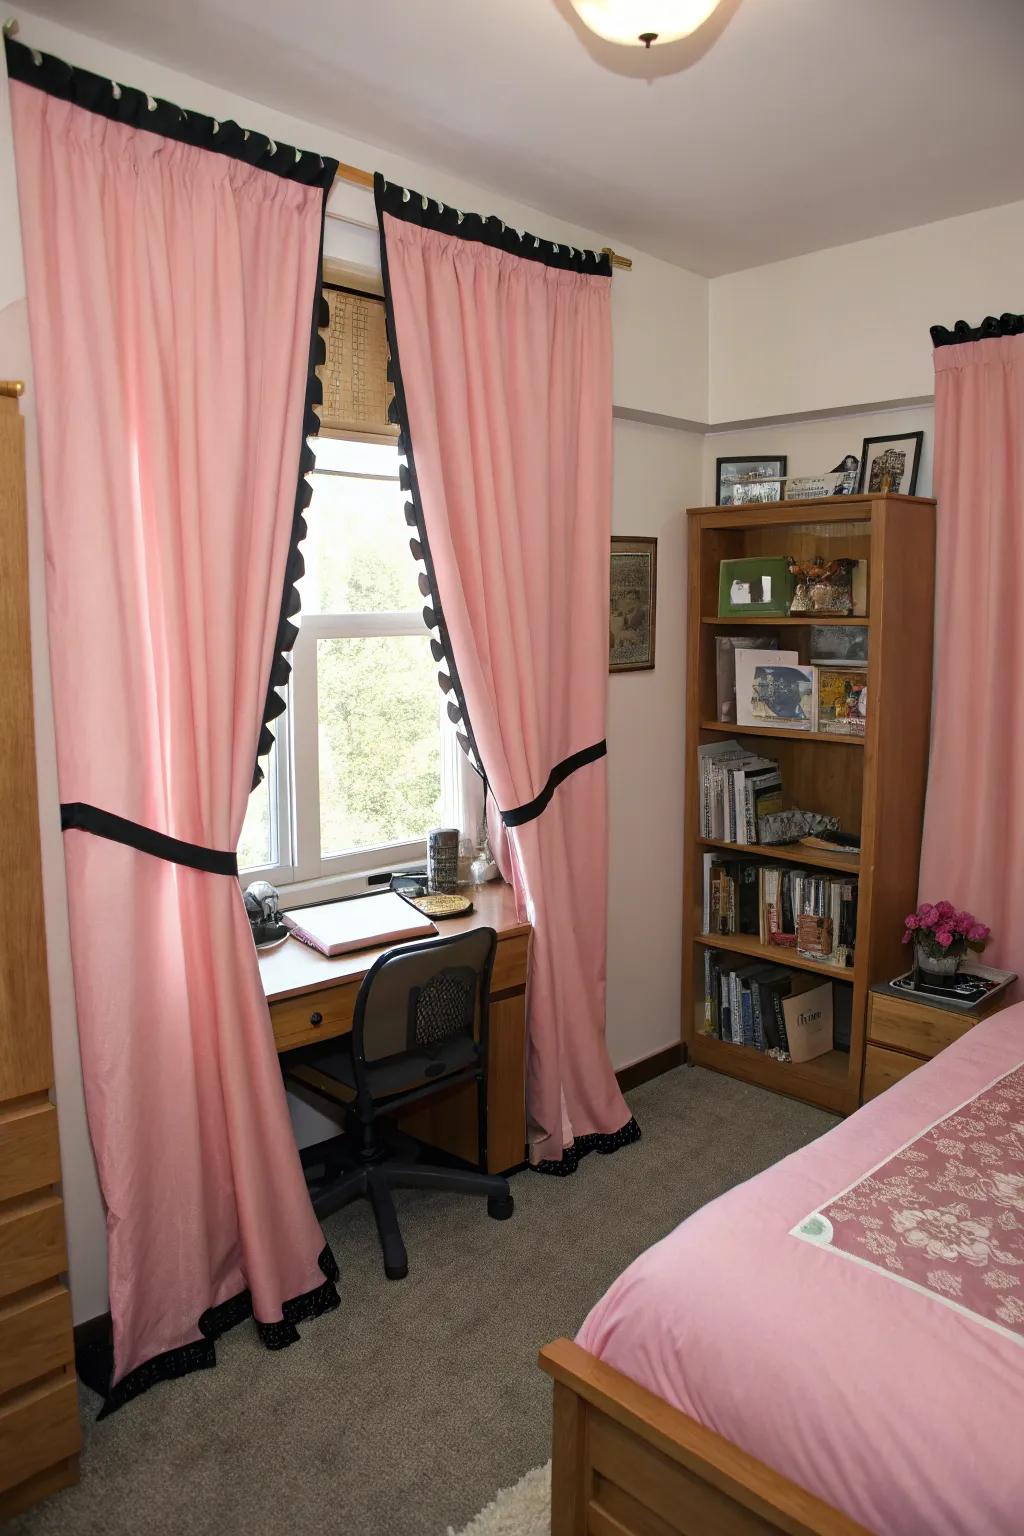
pixel 832 1316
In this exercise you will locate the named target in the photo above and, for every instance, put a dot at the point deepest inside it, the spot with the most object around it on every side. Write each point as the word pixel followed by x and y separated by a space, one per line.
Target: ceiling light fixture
pixel 639 23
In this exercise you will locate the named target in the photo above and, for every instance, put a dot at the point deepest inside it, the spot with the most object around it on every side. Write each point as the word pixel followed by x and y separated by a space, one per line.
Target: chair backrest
pixel 419 998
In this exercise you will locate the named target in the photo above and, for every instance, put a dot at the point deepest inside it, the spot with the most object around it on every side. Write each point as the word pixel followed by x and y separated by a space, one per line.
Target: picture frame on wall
pixel 633 604
pixel 891 464
pixel 765 467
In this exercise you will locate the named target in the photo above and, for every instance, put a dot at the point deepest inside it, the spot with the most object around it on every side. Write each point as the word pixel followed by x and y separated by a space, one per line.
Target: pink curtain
pixel 504 351
pixel 171 292
pixel 974 813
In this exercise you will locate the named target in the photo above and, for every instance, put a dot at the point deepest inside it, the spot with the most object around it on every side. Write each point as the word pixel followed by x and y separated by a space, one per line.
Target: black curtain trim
pixel 990 327
pixel 200 1355
pixel 561 771
pixel 125 104
pixel 602 1143
pixel 287 631
pixel 414 208
pixel 401 412
pixel 75 816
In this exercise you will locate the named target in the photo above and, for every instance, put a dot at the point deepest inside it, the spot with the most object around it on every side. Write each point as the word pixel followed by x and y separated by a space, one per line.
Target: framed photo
pixel 633 606
pixel 765 467
pixel 890 464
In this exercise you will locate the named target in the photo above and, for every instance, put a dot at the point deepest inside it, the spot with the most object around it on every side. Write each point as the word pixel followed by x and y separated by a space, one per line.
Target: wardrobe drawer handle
pixel 316 1019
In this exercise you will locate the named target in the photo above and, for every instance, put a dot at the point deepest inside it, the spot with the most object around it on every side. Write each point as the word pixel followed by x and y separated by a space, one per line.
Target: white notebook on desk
pixel 361 922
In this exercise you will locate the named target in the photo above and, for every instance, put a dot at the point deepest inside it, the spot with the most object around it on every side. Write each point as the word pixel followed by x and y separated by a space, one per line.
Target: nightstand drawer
pixel 882 1068
pixel 915 1027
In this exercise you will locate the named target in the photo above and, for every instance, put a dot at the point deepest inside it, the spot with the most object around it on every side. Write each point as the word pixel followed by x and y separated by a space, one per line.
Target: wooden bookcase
pixel 875 784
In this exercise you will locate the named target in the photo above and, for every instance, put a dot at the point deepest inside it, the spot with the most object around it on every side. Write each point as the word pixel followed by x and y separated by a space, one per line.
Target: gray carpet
pixel 404 1411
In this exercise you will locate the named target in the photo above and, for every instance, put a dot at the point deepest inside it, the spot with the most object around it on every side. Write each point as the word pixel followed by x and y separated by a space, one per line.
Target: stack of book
pixel 767 1008
pixel 737 788
pixel 812 913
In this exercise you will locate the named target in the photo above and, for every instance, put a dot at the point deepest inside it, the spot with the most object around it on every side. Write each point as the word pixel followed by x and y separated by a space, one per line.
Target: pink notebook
pixel 361 922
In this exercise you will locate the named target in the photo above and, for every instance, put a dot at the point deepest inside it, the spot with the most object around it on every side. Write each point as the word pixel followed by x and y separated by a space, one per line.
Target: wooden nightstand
pixel 903 1036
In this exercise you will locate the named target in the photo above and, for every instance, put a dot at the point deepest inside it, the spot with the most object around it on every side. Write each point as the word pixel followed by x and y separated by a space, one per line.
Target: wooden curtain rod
pixel 357 178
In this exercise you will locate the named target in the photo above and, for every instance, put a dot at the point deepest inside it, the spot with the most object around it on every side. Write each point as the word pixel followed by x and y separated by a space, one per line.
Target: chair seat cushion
pixel 395 1074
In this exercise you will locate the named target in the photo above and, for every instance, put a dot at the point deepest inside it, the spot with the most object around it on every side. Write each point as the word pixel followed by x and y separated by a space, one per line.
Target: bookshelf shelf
pixel 774 954
pixel 878 793
pixel 795 623
pixel 781 732
pixel 821 1081
pixel 790 853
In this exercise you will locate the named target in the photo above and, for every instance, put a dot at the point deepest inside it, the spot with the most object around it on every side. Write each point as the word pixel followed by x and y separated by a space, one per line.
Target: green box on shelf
pixel 758 587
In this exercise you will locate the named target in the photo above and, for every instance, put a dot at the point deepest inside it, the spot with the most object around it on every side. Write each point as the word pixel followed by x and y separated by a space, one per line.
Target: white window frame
pixel 299 869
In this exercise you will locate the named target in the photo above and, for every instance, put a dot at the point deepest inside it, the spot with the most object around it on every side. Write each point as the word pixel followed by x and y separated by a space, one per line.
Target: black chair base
pixel 374 1181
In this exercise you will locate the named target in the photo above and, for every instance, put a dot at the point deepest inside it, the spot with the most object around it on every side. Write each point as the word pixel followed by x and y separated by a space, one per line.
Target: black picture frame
pixel 748 459
pixel 917 438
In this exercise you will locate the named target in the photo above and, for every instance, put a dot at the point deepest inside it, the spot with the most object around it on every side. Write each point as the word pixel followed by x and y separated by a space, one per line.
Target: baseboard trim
pixel 650 1067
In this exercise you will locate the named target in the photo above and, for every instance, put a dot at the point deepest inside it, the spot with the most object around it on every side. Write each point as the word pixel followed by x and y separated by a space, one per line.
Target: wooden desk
pixel 312 998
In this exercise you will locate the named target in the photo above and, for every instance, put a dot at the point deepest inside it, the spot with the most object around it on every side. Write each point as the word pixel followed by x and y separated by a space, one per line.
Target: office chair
pixel 419 1028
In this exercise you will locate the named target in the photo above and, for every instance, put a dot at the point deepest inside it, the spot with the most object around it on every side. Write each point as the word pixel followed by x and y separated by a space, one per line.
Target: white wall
pixel 815 446
pixel 657 473
pixel 849 326
pixel 656 370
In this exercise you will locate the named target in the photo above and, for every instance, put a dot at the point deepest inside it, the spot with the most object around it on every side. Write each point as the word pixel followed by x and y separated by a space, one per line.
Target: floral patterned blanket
pixel 945 1214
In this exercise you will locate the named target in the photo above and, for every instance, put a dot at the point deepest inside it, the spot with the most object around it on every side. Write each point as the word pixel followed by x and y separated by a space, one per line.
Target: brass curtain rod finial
pixel 625 262
pixel 11 27
pixel 13 388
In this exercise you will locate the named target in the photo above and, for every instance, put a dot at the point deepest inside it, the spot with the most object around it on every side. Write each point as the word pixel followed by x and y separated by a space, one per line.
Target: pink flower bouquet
pixel 943 933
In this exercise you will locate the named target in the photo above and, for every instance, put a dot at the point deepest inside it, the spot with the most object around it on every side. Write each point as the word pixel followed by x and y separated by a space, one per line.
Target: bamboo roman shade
pixel 355 375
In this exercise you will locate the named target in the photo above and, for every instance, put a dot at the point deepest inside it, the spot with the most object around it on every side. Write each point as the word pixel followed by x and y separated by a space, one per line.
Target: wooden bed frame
pixel 626 1463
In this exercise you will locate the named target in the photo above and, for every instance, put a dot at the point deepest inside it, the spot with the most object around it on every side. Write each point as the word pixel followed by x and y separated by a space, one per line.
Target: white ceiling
pixel 784 126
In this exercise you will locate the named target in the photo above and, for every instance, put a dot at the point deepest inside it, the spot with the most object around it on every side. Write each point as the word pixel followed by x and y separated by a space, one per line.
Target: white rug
pixel 524 1510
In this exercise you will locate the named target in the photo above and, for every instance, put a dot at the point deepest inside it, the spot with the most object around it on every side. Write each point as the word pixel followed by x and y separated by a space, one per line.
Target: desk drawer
pixel 915 1027
pixel 510 962
pixel 295 1018
pixel 882 1068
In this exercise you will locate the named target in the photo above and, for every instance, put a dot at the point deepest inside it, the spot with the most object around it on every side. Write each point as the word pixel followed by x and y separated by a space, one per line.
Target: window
pixel 362 764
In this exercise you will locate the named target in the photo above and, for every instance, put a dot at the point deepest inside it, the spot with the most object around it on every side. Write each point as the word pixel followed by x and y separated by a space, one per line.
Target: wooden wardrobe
pixel 39 1429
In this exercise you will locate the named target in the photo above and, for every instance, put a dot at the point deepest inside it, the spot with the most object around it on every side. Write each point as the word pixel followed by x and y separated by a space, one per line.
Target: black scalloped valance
pixel 428 213
pixel 991 326
pixel 125 104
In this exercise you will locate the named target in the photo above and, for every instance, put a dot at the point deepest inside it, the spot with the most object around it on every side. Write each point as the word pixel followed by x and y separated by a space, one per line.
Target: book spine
pixel 755 1006
pixel 739 787
pixel 780 1019
pixel 736 1009
pixel 746 1004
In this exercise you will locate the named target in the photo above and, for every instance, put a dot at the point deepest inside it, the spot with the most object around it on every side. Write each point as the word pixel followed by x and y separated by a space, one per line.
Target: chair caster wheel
pixel 500 1207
